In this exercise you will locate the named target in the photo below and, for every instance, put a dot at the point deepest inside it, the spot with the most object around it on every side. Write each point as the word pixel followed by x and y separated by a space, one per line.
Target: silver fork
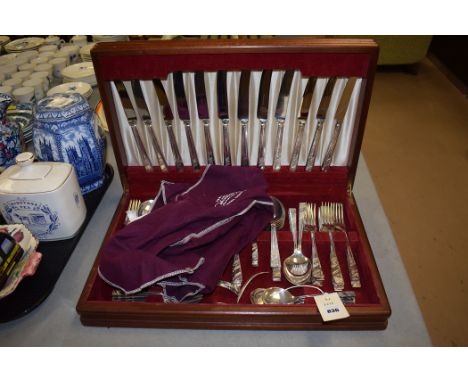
pixel 352 266
pixel 326 223
pixel 317 276
pixel 133 206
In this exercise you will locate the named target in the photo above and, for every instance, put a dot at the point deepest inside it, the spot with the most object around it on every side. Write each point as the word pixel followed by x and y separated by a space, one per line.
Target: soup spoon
pixel 276 295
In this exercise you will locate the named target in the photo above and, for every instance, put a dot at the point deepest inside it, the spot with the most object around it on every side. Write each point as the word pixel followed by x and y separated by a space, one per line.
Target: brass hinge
pixel 349 189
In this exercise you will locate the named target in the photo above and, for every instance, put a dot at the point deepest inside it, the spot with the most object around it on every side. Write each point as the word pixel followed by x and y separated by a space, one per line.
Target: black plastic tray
pixel 32 291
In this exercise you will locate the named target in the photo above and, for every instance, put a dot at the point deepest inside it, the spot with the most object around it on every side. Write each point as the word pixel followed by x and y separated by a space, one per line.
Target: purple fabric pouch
pixel 188 239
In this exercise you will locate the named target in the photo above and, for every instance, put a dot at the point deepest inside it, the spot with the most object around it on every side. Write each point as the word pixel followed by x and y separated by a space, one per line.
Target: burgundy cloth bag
pixel 188 239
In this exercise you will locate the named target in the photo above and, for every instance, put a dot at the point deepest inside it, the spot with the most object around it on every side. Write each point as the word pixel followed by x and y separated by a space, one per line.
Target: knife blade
pixel 184 115
pixel 339 116
pixel 168 118
pixel 321 115
pixel 243 114
pixel 302 118
pixel 223 114
pixel 280 115
pixel 203 114
pixel 262 114
pixel 131 115
pixel 144 114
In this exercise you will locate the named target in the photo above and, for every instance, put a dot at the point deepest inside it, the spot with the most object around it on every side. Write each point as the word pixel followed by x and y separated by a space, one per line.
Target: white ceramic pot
pixel 44 196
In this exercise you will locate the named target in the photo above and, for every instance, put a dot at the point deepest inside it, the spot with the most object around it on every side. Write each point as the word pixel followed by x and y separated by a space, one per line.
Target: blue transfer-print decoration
pixel 38 217
pixel 10 135
pixel 66 130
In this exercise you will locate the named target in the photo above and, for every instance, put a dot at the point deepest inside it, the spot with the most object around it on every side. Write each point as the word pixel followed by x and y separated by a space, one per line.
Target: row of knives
pixel 139 112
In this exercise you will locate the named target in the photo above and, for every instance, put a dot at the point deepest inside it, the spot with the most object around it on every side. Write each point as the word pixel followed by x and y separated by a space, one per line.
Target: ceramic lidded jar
pixel 10 135
pixel 44 196
pixel 66 129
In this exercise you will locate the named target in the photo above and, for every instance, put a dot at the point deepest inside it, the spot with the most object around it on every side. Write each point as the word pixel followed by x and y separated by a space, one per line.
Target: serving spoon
pixel 297 267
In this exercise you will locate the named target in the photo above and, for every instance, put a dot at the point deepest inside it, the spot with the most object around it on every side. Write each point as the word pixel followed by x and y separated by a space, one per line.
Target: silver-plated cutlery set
pixel 137 112
pixel 300 269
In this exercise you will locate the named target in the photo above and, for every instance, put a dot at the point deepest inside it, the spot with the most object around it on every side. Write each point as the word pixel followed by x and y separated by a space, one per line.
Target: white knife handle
pixel 278 146
pixel 210 159
pixel 331 147
pixel 175 149
pixel 297 146
pixel 191 145
pixel 140 146
pixel 244 143
pixel 314 146
pixel 261 145
pixel 227 147
pixel 157 148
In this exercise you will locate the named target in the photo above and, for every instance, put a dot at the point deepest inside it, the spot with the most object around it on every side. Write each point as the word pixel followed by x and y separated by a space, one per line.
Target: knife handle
pixel 297 146
pixel 278 145
pixel 244 143
pixel 331 147
pixel 227 148
pixel 157 148
pixel 191 145
pixel 314 146
pixel 210 159
pixel 261 145
pixel 337 275
pixel 140 146
pixel 175 149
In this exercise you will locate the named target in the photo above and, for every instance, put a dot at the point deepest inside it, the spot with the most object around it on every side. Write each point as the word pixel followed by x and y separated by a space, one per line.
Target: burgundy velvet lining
pixel 290 188
pixel 146 67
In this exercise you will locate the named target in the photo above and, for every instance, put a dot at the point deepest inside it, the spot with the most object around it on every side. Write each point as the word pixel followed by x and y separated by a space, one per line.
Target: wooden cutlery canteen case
pixel 320 58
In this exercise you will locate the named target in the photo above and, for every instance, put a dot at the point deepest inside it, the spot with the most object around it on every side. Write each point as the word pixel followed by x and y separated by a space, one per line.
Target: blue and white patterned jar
pixel 10 135
pixel 66 129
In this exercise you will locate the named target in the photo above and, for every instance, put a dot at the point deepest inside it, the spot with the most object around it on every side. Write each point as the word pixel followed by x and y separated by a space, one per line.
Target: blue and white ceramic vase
pixel 10 135
pixel 66 129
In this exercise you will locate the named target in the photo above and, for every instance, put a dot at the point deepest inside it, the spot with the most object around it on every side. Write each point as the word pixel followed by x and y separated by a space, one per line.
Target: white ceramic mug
pixel 8 70
pixel 73 53
pixel 6 90
pixel 49 68
pixel 40 60
pixel 15 83
pixel 38 86
pixel 48 55
pixel 7 58
pixel 48 48
pixel 30 54
pixel 30 67
pixel 44 76
pixel 58 64
pixel 20 60
pixel 54 40
pixel 63 54
pixel 79 40
pixel 24 94
pixel 23 75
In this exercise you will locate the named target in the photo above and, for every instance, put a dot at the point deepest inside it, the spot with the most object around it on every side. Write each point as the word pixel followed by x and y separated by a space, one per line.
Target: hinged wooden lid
pixel 146 60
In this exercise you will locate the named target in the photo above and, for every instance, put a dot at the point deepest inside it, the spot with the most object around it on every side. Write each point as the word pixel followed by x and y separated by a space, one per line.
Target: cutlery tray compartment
pixel 220 309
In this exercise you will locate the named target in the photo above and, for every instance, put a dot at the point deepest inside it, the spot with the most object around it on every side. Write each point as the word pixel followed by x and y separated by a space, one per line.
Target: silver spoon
pixel 297 266
pixel 276 295
pixel 146 207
